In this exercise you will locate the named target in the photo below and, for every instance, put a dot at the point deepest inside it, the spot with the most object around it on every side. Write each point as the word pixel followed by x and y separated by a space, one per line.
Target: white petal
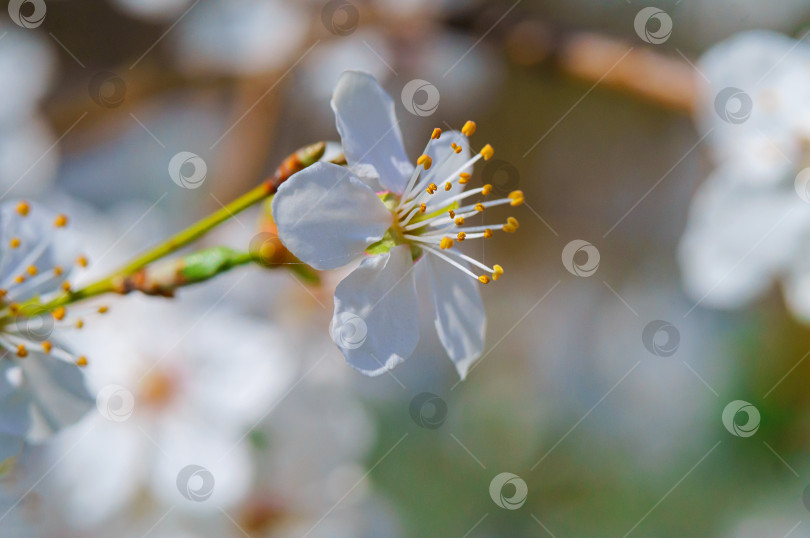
pixel 327 217
pixel 438 152
pixel 460 317
pixel 369 131
pixel 15 419
pixel 375 323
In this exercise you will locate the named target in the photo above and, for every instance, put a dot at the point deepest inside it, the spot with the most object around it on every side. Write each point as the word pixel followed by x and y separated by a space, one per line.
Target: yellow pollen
pixel 468 129
pixel 436 133
pixel 516 197
pixel 512 221
pixel 103 309
pixel 3 293
pixel 32 270
pixel 487 233
pixel 57 270
pixel 479 207
pixel 432 188
pixel 82 261
pixel 446 243
pixel 463 178
pixel 79 323
pixel 459 221
pixel 487 152
pixel 448 186
pixel 508 228
pixel 425 161
pixel 483 279
pixel 486 189
pixel 20 279
pixel 81 361
pixel 66 286
pixel 461 236
pixel 23 208
pixel 451 213
pixel 60 221
pixel 22 352
pixel 14 308
pixel 457 149
pixel 47 346
pixel 59 313
pixel 15 242
pixel 497 272
pixel 422 208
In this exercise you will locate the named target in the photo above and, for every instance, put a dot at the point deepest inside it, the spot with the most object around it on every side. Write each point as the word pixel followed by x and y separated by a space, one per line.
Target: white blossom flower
pixel 329 215
pixel 750 221
pixel 41 387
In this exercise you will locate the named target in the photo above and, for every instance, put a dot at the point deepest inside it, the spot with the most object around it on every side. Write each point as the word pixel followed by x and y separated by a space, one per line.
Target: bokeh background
pixel 610 436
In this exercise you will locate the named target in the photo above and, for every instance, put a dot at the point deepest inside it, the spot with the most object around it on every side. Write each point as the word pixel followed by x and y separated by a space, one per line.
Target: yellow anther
pixel 14 243
pixel 497 272
pixel 20 279
pixel 461 237
pixel 66 286
pixel 82 261
pixel 459 221
pixel 516 197
pixel 457 149
pixel 468 129
pixel 483 279
pixel 508 228
pixel 451 213
pixel 81 361
pixel 79 323
pixel 23 208
pixel 422 208
pixel 425 161
pixel 14 308
pixel 103 309
pixel 3 293
pixel 436 133
pixel 487 152
pixel 486 189
pixel 60 221
pixel 59 313
pixel 512 221
pixel 47 346
pixel 487 233
pixel 448 186
pixel 57 270
pixel 445 243
pixel 432 188
pixel 22 352
pixel 463 178
pixel 479 207
pixel 32 270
